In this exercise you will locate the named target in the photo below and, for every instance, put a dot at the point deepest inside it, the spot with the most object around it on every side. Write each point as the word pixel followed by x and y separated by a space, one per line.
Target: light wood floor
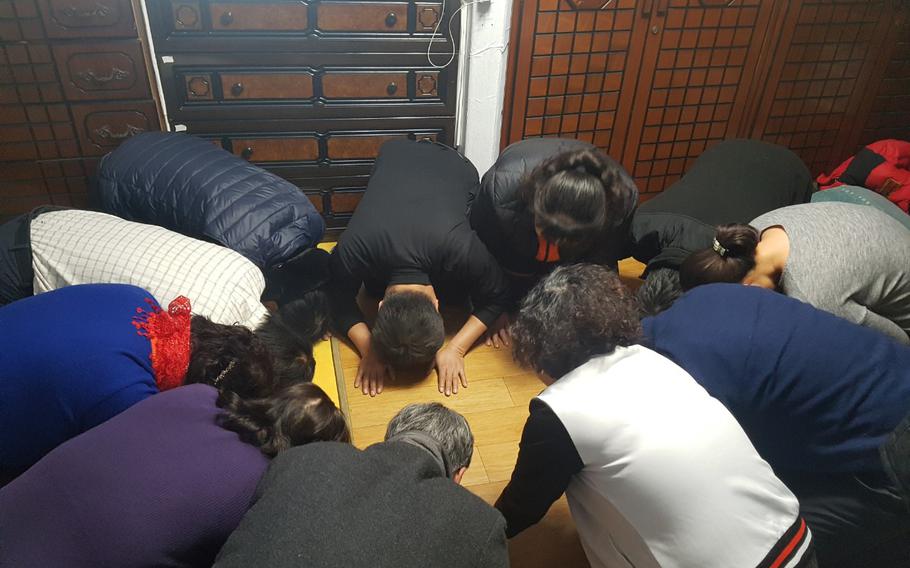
pixel 496 406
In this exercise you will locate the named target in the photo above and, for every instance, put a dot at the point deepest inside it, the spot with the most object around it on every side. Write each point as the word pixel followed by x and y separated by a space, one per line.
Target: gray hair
pixel 444 425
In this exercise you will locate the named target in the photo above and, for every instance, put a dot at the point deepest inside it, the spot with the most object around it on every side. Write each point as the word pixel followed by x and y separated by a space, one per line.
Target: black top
pixel 734 181
pixel 328 504
pixel 411 227
pixel 547 460
pixel 506 225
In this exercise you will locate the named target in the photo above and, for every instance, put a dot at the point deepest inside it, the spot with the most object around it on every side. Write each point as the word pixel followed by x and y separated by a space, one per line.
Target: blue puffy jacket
pixel 188 185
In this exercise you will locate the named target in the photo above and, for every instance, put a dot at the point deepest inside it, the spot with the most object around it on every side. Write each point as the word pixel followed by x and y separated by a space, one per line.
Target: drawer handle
pixel 237 89
pixel 89 76
pixel 392 88
pixel 227 18
pixel 390 20
pixel 99 11
pixel 106 133
pixel 247 153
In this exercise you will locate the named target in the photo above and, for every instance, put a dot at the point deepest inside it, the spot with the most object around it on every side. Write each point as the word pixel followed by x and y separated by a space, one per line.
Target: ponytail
pixel 575 196
pixel 729 259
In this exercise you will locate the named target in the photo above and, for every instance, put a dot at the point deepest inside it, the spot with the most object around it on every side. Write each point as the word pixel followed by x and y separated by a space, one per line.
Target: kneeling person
pixel 399 503
pixel 409 243
pixel 657 473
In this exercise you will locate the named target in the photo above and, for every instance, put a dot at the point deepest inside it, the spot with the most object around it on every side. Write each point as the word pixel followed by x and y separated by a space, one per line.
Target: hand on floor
pixel 498 335
pixel 450 371
pixel 371 374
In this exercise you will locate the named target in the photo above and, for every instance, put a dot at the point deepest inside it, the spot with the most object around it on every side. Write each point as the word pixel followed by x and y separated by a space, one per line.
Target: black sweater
pixel 411 227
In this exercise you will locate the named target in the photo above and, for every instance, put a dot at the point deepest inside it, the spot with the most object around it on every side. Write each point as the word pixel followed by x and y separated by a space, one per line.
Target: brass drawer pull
pixel 227 18
pixel 247 153
pixel 392 88
pixel 390 20
pixel 237 89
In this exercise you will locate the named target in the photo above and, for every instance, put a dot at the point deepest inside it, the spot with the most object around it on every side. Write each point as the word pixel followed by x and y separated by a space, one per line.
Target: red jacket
pixel 882 166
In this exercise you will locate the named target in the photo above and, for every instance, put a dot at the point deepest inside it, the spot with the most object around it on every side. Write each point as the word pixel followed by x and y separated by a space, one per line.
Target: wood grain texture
pixel 362 16
pixel 275 86
pixel 276 149
pixel 261 16
pixel 496 406
pixel 366 85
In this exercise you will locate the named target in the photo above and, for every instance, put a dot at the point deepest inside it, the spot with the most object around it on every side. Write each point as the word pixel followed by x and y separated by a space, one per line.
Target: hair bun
pixel 736 240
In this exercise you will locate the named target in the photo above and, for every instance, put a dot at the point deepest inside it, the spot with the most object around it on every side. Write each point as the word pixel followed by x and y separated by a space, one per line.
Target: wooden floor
pixel 496 406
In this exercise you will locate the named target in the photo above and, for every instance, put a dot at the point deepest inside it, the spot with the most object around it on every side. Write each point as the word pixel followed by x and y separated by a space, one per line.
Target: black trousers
pixel 15 259
pixel 857 521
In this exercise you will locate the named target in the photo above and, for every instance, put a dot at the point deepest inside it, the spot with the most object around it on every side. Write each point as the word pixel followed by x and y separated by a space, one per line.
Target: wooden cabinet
pixel 654 83
pixel 73 85
pixel 308 90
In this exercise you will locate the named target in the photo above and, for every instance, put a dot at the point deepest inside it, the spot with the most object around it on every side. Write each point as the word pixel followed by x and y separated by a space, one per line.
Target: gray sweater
pixel 850 260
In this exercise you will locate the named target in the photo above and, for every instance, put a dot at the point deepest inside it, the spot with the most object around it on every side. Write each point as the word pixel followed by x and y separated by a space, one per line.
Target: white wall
pixel 484 53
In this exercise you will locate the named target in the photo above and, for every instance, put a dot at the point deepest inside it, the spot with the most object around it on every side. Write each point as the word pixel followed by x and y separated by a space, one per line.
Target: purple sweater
pixel 158 485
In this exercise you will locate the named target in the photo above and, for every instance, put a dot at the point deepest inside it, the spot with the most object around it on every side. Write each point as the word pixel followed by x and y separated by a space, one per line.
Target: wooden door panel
pixel 889 113
pixel 821 73
pixel 698 71
pixel 109 70
pixel 571 69
pixel 88 18
pixel 101 127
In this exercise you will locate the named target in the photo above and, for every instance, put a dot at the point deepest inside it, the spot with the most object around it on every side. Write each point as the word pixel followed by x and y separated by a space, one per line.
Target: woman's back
pixel 850 260
pixel 159 485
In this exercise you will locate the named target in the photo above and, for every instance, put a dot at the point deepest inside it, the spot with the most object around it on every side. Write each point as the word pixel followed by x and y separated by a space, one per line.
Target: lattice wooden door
pixel 828 65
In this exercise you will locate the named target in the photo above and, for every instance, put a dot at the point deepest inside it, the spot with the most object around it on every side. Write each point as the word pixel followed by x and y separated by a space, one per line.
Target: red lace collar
pixel 169 334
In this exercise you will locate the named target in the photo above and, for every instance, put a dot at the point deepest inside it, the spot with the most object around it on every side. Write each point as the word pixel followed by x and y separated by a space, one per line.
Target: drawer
pixel 251 86
pixel 285 149
pixel 201 91
pixel 295 26
pixel 261 16
pixel 110 70
pixel 364 85
pixel 88 18
pixel 362 17
pixel 362 146
pixel 102 127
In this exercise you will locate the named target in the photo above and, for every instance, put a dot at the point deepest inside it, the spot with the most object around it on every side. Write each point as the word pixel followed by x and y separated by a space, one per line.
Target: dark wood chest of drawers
pixel 308 90
pixel 73 84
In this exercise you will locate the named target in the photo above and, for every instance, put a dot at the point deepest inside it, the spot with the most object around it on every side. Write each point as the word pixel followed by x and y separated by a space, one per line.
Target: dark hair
pixel 730 262
pixel 296 415
pixel 233 350
pixel 660 289
pixel 407 333
pixel 575 197
pixel 574 314
pixel 289 335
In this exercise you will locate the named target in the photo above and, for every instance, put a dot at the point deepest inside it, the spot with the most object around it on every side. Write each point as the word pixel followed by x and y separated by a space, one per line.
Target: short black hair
pixel 407 333
pixel 660 289
pixel 233 353
pixel 576 313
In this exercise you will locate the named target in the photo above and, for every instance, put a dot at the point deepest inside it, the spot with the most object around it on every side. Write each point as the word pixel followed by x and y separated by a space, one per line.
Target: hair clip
pixel 719 248
pixel 224 372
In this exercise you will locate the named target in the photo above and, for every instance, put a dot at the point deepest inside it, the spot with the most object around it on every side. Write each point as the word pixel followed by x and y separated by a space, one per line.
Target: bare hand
pixel 498 334
pixel 450 371
pixel 371 374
